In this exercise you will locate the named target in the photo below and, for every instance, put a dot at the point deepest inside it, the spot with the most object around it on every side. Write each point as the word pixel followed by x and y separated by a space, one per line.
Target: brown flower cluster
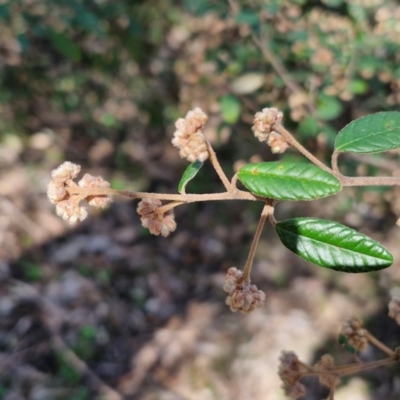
pixel 355 334
pixel 326 376
pixel 67 195
pixel 243 296
pixel 394 305
pixel 291 369
pixel 189 138
pixel 157 223
pixel 90 181
pixel 263 128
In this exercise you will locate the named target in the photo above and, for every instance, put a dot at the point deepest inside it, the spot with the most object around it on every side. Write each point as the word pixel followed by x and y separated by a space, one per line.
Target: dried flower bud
pixel 355 334
pixel 66 194
pixel 189 138
pixel 90 181
pixel 70 211
pixel 56 191
pixel 277 143
pixel 327 377
pixel 243 296
pixel 290 371
pixel 67 170
pixel 154 221
pixel 394 304
pixel 265 121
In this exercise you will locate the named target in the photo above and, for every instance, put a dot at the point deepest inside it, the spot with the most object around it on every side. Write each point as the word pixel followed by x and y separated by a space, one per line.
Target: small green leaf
pixel 309 127
pixel 230 108
pixel 370 134
pixel 288 180
pixel 251 18
pixel 332 245
pixel 328 107
pixel 190 172
pixel 344 342
pixel 358 86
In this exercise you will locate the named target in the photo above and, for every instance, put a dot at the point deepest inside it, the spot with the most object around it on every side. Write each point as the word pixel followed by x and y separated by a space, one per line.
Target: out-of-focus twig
pixel 277 65
pixel 52 320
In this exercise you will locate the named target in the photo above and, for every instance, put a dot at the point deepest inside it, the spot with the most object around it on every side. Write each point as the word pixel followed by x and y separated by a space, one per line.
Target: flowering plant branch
pixel 326 243
pixel 354 338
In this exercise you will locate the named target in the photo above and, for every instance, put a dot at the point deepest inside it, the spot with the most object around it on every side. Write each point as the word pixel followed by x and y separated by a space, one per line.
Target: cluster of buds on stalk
pixel 264 129
pixel 291 369
pixel 156 221
pixel 67 195
pixel 189 138
pixel 243 296
pixel 156 217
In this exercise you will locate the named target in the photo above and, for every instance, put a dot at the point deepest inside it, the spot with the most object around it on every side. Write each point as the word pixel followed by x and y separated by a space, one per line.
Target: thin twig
pixel 369 180
pixel 74 361
pixel 334 162
pixel 350 369
pixel 52 320
pixel 372 339
pixel 163 209
pixel 215 163
pixel 276 65
pixel 288 137
pixel 190 198
pixel 264 215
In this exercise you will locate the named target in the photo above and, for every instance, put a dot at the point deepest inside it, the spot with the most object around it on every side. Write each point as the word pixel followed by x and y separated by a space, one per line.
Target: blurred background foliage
pixel 101 82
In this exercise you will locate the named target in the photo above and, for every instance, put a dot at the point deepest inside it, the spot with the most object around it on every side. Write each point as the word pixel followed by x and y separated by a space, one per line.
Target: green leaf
pixel 190 172
pixel 309 127
pixel 328 107
pixel 288 180
pixel 64 45
pixel 332 245
pixel 230 108
pixel 248 17
pixel 370 134
pixel 357 86
pixel 344 342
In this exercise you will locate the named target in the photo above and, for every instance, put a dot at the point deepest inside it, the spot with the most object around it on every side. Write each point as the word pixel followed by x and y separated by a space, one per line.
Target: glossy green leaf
pixel 230 108
pixel 332 245
pixel 288 180
pixel 370 134
pixel 190 172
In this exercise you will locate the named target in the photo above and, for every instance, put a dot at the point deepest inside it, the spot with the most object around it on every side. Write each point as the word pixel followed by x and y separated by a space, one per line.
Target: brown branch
pixel 215 163
pixel 277 65
pixel 289 138
pixel 372 339
pixel 267 210
pixel 186 198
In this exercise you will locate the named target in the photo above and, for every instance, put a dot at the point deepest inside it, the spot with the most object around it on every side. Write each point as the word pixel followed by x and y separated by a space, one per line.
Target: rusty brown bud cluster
pixel 157 223
pixel 243 296
pixel 263 127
